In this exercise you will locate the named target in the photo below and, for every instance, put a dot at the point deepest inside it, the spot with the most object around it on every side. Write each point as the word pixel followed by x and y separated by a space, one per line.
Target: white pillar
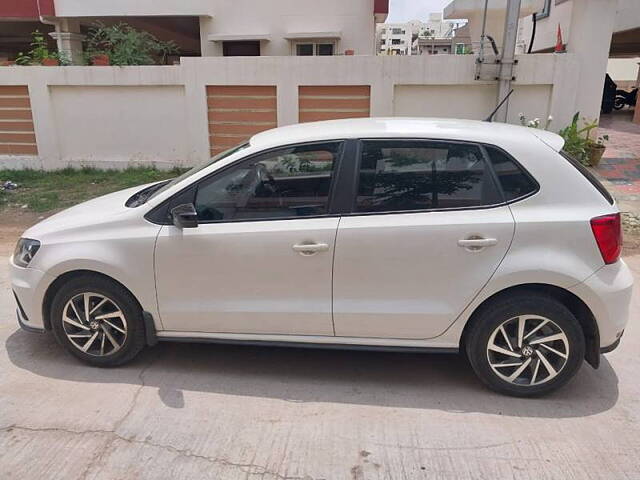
pixel 69 39
pixel 589 40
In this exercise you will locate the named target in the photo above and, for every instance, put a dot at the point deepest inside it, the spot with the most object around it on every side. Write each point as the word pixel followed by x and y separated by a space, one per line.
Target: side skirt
pixel 297 341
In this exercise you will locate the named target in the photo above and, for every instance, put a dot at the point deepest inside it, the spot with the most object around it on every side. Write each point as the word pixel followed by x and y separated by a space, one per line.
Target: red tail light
pixel 607 231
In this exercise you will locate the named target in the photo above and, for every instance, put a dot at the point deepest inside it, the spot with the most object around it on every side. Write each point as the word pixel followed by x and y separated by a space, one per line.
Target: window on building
pixel 241 49
pixel 397 31
pixel 304 49
pixel 546 10
pixel 396 41
pixel 315 48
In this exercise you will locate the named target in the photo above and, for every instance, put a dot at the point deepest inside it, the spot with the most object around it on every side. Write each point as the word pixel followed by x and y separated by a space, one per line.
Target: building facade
pixel 205 27
pixel 435 36
pixel 394 39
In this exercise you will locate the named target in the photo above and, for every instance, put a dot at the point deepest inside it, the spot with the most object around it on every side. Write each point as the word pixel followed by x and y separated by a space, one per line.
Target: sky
pixel 405 10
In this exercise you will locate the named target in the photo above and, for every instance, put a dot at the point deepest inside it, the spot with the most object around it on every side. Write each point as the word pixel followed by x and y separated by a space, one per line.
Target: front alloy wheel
pixel 528 350
pixel 97 320
pixel 94 324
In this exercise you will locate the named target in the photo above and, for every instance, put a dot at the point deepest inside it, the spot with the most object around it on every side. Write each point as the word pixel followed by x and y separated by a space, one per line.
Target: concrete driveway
pixel 227 412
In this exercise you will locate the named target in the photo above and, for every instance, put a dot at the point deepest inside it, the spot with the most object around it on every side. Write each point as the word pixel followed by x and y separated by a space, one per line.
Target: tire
pixel 543 317
pixel 116 339
pixel 619 103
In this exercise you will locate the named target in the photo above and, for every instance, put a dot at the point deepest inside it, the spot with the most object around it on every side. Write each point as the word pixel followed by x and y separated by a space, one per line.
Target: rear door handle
pixel 310 248
pixel 477 243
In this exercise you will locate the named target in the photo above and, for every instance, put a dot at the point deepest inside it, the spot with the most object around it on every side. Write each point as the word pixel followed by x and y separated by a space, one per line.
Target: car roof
pixel 404 127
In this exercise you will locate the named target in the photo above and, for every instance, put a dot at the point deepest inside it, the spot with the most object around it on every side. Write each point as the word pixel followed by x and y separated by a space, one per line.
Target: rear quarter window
pixel 515 181
pixel 586 173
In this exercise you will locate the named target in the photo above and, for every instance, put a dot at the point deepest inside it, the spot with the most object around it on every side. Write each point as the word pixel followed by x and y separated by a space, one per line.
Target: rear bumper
pixel 608 294
pixel 611 347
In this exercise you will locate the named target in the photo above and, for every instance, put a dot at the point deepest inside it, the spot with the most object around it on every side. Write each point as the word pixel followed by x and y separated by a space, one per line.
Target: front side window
pixel 399 176
pixel 287 183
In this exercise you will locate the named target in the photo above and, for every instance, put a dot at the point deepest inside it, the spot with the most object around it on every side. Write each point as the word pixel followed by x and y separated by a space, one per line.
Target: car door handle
pixel 477 243
pixel 310 248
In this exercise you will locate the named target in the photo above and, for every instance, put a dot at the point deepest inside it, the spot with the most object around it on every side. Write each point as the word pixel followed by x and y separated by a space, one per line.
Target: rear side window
pixel 515 182
pixel 400 175
pixel 589 176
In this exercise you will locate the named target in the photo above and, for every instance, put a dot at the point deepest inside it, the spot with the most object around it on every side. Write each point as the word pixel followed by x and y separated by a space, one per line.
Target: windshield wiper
pixel 142 196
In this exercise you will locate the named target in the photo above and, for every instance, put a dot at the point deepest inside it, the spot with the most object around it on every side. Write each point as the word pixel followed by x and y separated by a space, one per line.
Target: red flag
pixel 559 44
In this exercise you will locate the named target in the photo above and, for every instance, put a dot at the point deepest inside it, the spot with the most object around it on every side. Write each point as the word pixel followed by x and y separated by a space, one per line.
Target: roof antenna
pixel 490 117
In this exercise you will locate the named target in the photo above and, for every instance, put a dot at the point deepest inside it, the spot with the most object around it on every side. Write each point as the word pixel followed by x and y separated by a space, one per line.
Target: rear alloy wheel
pixel 527 350
pixel 98 321
pixel 525 345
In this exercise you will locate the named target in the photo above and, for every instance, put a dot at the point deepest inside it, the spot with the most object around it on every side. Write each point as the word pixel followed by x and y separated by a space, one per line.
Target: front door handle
pixel 477 243
pixel 310 248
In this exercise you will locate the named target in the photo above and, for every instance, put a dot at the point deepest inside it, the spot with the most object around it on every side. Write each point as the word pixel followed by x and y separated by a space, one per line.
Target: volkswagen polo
pixel 430 234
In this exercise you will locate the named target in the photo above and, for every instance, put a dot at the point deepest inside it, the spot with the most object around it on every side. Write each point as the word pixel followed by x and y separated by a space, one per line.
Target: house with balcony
pixel 204 27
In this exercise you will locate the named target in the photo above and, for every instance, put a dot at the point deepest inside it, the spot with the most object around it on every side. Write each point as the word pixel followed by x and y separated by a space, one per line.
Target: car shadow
pixel 404 380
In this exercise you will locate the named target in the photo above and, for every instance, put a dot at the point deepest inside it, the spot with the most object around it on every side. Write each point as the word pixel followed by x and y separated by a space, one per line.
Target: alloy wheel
pixel 528 350
pixel 94 324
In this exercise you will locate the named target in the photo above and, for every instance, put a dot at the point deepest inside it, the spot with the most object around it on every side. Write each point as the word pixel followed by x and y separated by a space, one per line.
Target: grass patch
pixel 42 191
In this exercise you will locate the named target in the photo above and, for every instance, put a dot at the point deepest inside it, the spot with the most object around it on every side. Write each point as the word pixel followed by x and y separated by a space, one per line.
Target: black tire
pixel 619 103
pixel 504 309
pixel 134 341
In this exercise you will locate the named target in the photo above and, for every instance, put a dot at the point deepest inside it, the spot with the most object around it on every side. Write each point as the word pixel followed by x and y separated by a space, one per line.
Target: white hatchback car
pixel 429 234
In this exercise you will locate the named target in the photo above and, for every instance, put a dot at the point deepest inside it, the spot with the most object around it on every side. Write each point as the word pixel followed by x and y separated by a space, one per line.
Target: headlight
pixel 26 249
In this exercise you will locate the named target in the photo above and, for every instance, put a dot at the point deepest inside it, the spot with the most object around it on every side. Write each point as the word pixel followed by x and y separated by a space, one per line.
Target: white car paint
pixel 244 281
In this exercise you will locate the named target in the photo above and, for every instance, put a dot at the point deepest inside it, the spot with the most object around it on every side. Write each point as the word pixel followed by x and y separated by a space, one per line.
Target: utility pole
pixel 507 58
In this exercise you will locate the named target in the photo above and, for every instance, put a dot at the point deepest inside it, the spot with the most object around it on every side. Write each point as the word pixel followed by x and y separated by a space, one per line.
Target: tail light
pixel 607 231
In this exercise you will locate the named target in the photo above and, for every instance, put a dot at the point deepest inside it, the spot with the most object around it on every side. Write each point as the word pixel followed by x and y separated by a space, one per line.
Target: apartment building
pixel 394 39
pixel 206 27
pixel 435 36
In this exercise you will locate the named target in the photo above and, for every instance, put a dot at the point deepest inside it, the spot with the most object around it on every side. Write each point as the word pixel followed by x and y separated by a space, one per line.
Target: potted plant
pixel 595 149
pixel 41 55
pixel 121 44
pixel 579 144
pixel 100 59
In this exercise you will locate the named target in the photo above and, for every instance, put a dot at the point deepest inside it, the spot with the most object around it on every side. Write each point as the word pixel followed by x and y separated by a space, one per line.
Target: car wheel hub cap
pixel 94 324
pixel 527 350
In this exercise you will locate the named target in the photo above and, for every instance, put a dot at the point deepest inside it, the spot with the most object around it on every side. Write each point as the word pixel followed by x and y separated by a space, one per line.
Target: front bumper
pixel 29 285
pixel 24 323
pixel 608 294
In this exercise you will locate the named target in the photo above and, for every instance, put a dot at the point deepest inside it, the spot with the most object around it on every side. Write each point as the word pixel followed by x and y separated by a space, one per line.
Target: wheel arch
pixel 575 305
pixel 55 286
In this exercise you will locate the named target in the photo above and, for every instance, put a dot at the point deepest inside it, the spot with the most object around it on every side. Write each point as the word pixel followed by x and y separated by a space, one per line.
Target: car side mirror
pixel 184 216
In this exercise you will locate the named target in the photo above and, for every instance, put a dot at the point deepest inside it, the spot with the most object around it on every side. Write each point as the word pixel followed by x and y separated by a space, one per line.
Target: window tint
pixel 292 182
pixel 515 182
pixel 413 175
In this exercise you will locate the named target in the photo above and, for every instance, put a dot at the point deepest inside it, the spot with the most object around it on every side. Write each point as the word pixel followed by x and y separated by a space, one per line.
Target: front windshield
pixel 197 168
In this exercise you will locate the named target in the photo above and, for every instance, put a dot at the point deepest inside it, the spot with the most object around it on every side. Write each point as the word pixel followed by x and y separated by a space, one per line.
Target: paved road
pixel 226 412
